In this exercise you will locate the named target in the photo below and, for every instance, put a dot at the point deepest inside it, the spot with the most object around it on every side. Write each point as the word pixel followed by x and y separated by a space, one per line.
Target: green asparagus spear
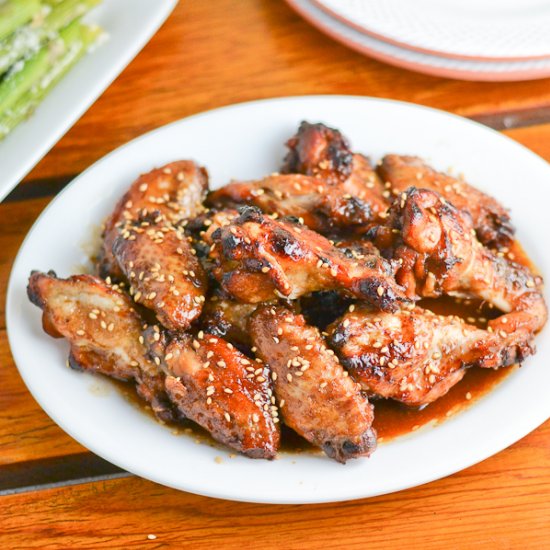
pixel 77 43
pixel 28 73
pixel 14 13
pixel 28 38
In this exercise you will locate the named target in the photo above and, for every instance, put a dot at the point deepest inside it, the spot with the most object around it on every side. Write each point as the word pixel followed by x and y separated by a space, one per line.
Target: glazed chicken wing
pixel 175 192
pixel 319 151
pixel 163 271
pixel 491 220
pixel 322 207
pixel 438 252
pixel 258 259
pixel 220 389
pixel 103 330
pixel 412 356
pixel 316 398
pixel 227 318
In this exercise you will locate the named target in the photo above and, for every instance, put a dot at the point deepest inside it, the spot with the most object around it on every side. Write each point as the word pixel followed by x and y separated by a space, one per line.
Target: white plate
pixel 482 29
pixel 246 141
pixel 129 25
pixel 416 60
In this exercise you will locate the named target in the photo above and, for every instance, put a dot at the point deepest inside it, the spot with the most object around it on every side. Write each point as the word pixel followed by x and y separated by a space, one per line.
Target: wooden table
pixel 210 54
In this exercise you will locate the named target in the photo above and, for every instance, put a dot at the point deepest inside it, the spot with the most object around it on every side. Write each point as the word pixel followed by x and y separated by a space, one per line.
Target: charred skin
pixel 490 219
pixel 220 389
pixel 412 356
pixel 227 318
pixel 438 253
pixel 322 152
pixel 319 151
pixel 163 271
pixel 103 330
pixel 323 208
pixel 258 259
pixel 316 397
pixel 175 191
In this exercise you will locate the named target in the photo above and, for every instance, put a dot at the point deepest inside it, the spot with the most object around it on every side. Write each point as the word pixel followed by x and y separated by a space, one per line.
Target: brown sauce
pixel 393 419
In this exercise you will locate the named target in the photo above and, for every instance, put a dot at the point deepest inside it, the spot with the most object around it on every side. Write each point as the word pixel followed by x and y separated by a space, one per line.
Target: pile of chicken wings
pixel 292 299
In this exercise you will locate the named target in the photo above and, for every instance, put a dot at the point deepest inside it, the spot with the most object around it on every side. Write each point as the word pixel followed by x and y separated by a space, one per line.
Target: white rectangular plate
pixel 129 24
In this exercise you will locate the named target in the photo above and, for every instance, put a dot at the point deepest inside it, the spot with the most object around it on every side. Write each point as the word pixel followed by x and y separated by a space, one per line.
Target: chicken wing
pixel 227 318
pixel 163 270
pixel 319 151
pixel 220 389
pixel 257 259
pixel 412 356
pixel 175 191
pixel 322 207
pixel 491 220
pixel 103 330
pixel 438 252
pixel 316 397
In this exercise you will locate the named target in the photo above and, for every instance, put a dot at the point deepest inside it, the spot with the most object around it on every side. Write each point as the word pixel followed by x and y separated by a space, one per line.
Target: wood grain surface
pixel 207 55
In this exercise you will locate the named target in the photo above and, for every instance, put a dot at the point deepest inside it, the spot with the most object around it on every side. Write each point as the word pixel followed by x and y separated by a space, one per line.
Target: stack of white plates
pixel 493 40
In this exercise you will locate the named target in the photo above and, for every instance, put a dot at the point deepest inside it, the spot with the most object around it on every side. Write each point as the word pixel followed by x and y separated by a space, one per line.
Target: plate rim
pixel 485 75
pixel 361 27
pixel 521 430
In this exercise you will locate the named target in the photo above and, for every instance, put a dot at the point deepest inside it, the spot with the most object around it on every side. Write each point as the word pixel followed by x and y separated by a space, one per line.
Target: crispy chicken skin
pixel 227 318
pixel 438 252
pixel 323 208
pixel 220 389
pixel 163 271
pixel 257 259
pixel 176 191
pixel 412 356
pixel 319 151
pixel 103 330
pixel 364 184
pixel 491 220
pixel 316 398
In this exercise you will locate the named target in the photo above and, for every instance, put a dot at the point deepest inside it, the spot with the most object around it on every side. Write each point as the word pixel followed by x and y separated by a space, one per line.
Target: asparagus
pixel 14 13
pixel 22 92
pixel 28 39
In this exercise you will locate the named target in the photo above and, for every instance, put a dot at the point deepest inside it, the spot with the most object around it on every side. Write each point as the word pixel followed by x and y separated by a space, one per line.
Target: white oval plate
pixel 428 63
pixel 478 29
pixel 246 141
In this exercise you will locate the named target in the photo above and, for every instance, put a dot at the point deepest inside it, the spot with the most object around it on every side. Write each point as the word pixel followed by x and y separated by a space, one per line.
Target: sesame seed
pixel 80 332
pixel 289 377
pixel 156 336
pixel 227 417
pixel 92 315
pixel 210 390
pixel 151 537
pixel 380 290
pixel 227 390
pixel 110 327
pixel 255 417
